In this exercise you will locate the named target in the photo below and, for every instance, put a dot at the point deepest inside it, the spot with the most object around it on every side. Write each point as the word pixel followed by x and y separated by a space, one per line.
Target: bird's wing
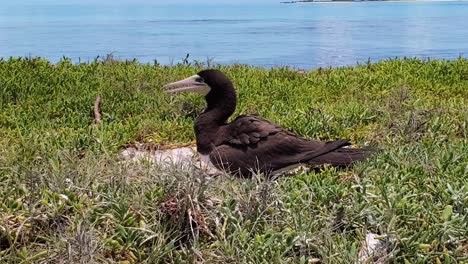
pixel 257 144
pixel 248 130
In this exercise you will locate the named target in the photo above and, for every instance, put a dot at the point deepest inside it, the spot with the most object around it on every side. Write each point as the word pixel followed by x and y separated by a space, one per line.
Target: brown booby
pixel 250 144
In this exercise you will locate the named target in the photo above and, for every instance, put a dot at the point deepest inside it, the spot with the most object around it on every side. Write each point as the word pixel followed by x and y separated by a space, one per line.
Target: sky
pixel 163 2
pixel 21 4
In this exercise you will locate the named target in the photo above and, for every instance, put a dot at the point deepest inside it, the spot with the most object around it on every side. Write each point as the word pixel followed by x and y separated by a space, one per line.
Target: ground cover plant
pixel 66 196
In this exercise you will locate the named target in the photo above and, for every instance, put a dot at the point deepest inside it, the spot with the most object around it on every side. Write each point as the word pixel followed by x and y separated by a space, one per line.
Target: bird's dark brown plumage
pixel 251 144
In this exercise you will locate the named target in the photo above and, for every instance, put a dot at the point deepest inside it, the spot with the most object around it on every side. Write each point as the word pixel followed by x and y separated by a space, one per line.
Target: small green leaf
pixel 447 212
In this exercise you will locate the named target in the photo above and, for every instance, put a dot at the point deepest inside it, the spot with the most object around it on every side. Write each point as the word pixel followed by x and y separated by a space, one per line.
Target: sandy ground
pixel 169 157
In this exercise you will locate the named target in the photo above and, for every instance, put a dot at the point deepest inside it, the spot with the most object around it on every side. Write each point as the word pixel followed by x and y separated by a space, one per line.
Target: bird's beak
pixel 193 83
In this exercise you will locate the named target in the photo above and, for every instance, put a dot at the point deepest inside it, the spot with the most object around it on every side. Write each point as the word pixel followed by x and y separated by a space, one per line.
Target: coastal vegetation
pixel 66 194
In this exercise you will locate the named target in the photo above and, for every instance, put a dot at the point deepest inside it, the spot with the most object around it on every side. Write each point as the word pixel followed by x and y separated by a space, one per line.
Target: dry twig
pixel 97 110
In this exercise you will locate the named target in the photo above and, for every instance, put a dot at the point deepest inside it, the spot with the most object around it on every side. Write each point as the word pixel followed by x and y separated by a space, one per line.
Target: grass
pixel 66 197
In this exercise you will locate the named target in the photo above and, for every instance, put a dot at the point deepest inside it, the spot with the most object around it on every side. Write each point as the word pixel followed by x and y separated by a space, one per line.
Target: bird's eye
pixel 200 80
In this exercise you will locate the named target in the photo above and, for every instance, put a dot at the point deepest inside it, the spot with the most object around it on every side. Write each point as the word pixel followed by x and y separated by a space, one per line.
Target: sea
pixel 266 34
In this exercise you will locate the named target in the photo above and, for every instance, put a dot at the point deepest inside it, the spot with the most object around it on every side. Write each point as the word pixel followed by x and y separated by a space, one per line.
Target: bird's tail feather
pixel 342 157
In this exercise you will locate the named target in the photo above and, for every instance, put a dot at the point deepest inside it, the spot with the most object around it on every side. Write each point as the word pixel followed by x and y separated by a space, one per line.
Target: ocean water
pixel 267 34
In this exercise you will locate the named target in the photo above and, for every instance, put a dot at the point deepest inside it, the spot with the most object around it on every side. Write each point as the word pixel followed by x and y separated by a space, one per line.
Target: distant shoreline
pixel 360 1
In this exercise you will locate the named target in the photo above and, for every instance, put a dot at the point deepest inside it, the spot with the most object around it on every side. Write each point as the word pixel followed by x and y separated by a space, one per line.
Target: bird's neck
pixel 215 116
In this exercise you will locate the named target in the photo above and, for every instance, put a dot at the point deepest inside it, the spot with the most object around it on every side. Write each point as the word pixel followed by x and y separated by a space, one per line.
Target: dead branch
pixel 97 110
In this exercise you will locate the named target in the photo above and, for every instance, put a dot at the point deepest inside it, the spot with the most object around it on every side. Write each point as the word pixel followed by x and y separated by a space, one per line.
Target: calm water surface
pixel 299 35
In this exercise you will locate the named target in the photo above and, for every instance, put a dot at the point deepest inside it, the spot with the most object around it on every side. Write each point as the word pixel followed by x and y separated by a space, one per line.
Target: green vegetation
pixel 66 196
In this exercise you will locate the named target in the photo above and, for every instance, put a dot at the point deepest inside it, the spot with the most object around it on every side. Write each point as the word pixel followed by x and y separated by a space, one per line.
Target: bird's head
pixel 210 83
pixel 218 90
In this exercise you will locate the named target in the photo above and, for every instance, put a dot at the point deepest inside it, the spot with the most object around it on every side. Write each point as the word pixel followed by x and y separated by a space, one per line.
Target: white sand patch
pixel 374 249
pixel 170 157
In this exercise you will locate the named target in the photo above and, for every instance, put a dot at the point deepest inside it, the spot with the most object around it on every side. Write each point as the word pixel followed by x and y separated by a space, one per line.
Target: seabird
pixel 250 144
